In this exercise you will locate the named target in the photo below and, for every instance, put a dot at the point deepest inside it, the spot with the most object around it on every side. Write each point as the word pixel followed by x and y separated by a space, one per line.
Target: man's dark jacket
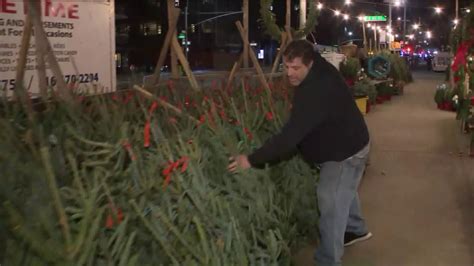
pixel 324 125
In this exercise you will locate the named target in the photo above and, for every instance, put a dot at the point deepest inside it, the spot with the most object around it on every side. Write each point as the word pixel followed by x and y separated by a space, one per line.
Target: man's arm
pixel 310 109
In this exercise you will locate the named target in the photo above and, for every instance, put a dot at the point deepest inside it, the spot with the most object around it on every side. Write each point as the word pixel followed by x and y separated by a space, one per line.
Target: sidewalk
pixel 417 194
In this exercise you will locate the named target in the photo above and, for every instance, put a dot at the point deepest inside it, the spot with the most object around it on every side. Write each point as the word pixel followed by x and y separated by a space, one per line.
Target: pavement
pixel 417 194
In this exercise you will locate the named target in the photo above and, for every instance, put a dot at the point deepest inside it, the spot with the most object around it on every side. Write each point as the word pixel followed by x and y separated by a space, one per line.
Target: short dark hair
pixel 300 48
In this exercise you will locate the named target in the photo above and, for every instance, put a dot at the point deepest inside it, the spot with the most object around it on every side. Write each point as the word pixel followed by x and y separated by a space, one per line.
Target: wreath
pixel 271 28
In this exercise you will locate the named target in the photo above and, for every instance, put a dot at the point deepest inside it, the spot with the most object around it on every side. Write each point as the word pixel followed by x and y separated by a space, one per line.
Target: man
pixel 327 128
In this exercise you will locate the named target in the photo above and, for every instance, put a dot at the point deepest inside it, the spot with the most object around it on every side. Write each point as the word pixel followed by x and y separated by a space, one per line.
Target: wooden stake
pixel 234 70
pixel 182 58
pixel 245 10
pixel 40 61
pixel 174 59
pixel 280 52
pixel 20 90
pixel 288 14
pixel 303 13
pixel 42 83
pixel 288 34
pixel 166 45
pixel 261 75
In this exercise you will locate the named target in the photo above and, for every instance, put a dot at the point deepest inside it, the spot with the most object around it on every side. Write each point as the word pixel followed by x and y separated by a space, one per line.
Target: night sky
pixel 331 30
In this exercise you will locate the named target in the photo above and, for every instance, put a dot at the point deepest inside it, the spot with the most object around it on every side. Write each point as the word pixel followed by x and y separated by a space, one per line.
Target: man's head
pixel 298 59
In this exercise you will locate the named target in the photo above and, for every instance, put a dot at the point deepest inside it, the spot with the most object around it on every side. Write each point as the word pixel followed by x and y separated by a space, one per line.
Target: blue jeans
pixel 339 206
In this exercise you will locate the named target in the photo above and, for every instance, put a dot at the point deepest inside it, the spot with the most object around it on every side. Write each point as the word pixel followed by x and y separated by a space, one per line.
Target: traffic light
pixel 193 28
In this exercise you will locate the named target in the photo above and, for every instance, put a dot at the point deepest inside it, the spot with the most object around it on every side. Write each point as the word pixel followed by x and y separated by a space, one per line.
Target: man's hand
pixel 238 162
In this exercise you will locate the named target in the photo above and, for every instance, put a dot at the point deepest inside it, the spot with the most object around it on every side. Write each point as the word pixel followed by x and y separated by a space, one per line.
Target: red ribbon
pixel 269 116
pixel 153 107
pixel 109 221
pixel 248 133
pixel 128 97
pixel 461 54
pixel 146 136
pixel 128 147
pixel 172 166
pixel 147 129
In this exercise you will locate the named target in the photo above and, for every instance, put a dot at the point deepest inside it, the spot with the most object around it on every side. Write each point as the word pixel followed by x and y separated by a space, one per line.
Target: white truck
pixel 441 61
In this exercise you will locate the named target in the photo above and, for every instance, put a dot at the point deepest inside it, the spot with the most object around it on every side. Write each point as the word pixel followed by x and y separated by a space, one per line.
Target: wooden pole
pixel 255 62
pixel 288 14
pixel 42 83
pixel 457 9
pixel 289 36
pixel 166 45
pixel 245 10
pixel 280 52
pixel 20 90
pixel 184 62
pixel 174 58
pixel 234 70
pixel 40 60
pixel 302 13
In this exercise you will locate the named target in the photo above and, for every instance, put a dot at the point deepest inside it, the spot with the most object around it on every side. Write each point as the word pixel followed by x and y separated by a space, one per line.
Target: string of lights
pixel 385 28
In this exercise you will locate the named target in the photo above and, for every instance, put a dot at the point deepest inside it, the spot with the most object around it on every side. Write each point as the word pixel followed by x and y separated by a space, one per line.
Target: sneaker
pixel 351 238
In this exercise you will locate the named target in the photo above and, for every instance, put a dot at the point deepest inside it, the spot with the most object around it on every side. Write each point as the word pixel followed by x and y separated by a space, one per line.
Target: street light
pixel 350 33
pixel 455 21
pixel 397 3
pixel 348 2
pixel 428 34
pixel 320 6
pixel 346 17
pixel 337 12
pixel 438 10
pixel 416 26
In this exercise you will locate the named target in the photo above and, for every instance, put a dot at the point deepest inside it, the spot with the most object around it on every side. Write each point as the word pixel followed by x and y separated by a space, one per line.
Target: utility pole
pixel 404 21
pixel 376 46
pixel 363 32
pixel 390 14
pixel 389 22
